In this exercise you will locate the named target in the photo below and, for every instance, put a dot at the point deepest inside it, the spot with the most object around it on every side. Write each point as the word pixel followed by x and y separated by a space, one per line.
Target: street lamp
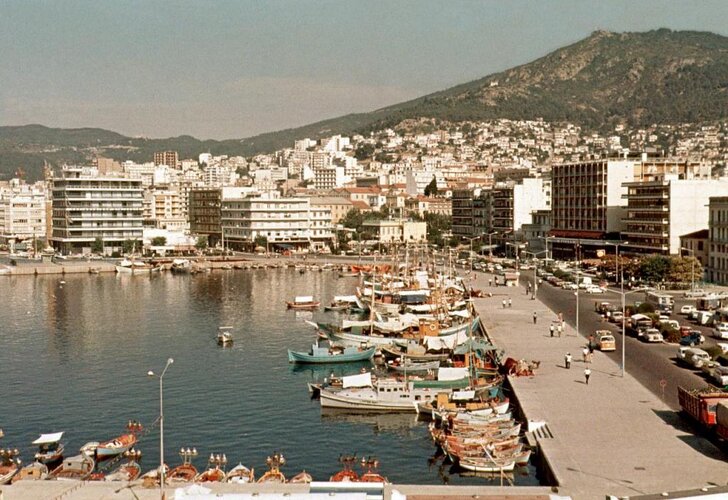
pixel 692 268
pixel 624 313
pixel 471 249
pixel 161 424
pixel 535 270
pixel 490 245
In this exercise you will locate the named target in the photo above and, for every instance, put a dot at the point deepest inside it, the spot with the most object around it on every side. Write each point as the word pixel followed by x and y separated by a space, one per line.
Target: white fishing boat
pixel 225 335
pixel 360 393
pixel 136 267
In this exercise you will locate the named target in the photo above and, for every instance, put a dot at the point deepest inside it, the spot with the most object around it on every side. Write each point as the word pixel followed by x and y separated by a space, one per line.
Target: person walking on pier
pixel 504 303
pixel 587 374
pixel 510 302
pixel 567 361
pixel 535 316
pixel 551 329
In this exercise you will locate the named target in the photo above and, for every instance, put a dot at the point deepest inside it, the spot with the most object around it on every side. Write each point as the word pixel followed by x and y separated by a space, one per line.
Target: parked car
pixel 594 289
pixel 652 335
pixel 605 341
pixel 719 374
pixel 687 310
pixel 693 294
pixel 721 330
pixel 692 339
pixel 696 357
pixel 568 285
pixel 616 317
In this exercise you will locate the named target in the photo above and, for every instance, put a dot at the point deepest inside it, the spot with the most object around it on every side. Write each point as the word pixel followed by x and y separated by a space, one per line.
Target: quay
pixel 612 436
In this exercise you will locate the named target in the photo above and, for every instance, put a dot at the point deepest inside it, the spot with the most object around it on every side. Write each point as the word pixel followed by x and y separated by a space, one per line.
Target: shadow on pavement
pixel 693 435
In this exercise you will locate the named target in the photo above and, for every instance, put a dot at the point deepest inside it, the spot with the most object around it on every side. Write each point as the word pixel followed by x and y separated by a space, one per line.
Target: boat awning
pixel 452 373
pixel 305 298
pixel 49 438
pixel 360 380
pixel 463 395
pixel 474 345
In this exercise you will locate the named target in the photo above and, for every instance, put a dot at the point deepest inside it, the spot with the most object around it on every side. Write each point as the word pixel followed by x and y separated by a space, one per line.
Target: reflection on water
pixel 74 358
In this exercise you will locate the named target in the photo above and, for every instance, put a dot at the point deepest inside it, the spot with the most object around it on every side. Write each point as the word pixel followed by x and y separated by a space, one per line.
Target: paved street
pixel 610 436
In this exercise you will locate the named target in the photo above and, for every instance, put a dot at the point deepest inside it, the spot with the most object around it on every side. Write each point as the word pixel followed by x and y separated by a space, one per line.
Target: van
pixel 696 357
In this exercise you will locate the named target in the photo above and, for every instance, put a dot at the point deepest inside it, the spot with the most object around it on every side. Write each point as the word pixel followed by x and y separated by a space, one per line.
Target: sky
pixel 233 69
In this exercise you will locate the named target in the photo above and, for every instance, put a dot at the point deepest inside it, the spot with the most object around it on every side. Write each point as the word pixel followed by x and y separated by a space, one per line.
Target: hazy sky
pixel 231 69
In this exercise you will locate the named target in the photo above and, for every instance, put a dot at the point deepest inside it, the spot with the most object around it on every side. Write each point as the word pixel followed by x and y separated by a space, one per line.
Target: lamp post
pixel 161 424
pixel 624 312
pixel 535 270
pixel 578 269
pixel 471 249
pixel 692 268
pixel 490 245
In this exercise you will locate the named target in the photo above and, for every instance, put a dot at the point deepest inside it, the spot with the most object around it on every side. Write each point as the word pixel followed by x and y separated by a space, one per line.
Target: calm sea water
pixel 74 357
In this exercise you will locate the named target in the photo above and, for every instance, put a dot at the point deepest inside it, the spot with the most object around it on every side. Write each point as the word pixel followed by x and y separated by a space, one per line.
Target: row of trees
pixel 437 225
pixel 656 269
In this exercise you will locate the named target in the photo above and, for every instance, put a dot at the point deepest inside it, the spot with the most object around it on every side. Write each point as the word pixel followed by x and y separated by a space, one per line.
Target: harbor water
pixel 75 352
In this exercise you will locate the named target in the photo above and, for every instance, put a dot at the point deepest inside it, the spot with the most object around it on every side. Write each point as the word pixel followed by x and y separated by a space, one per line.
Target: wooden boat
pixel 225 335
pixel 273 474
pixel 50 449
pixel 119 444
pixel 151 478
pixel 185 472
pixel 394 351
pixel 371 475
pixel 384 395
pixel 77 467
pixel 408 366
pixel 35 471
pixel 240 474
pixel 128 471
pixel 215 472
pixel 136 267
pixel 485 464
pixel 181 266
pixel 346 474
pixel 302 477
pixel 321 355
pixel 9 463
pixel 304 302
pixel 89 449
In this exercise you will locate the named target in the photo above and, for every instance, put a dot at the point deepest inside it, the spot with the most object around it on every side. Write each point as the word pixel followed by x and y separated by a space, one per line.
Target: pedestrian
pixel 591 351
pixel 490 281
pixel 510 302
pixel 587 374
pixel 551 329
pixel 559 328
pixel 534 317
pixel 567 361
pixel 504 303
pixel 585 355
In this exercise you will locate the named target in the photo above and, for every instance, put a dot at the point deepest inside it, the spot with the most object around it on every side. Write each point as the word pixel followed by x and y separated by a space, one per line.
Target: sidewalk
pixel 607 437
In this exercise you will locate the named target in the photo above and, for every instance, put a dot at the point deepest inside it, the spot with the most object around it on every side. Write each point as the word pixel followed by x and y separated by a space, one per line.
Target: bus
pixel 663 302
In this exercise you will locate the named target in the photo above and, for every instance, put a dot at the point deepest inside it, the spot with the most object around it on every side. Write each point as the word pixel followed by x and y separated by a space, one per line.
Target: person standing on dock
pixel 551 329
pixel 535 316
pixel 567 361
pixel 587 374
pixel 504 303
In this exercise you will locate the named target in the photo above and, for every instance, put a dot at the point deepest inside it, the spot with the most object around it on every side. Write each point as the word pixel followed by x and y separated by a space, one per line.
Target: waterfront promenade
pixel 609 437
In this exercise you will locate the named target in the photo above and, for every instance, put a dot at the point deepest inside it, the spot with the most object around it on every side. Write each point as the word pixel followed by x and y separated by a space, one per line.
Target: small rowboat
pixel 128 471
pixel 9 464
pixel 371 475
pixel 412 367
pixel 34 471
pixel 186 472
pixel 346 474
pixel 302 477
pixel 225 335
pixel 320 355
pixel 78 467
pixel 274 475
pixel 305 302
pixel 240 474
pixel 214 472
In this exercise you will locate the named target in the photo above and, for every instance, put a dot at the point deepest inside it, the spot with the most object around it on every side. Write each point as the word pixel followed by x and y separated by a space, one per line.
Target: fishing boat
pixel 120 444
pixel 485 464
pixel 346 474
pixel 50 449
pixel 274 474
pixel 181 266
pixel 185 472
pixel 89 448
pixel 215 472
pixel 320 355
pixel 34 472
pixel 152 477
pixel 225 335
pixel 128 471
pixel 409 366
pixel 136 267
pixel 382 395
pixel 304 302
pixel 302 477
pixel 77 467
pixel 240 474
pixel 9 463
pixel 412 351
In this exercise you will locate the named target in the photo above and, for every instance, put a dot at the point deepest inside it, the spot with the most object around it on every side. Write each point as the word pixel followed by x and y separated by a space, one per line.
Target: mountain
pixel 659 76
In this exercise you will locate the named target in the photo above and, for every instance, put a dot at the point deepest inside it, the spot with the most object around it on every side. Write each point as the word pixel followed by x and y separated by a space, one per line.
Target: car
pixel 694 294
pixel 681 352
pixel 652 335
pixel 686 310
pixel 692 339
pixel 719 374
pixel 594 289
pixel 606 342
pixel 568 285
pixel 721 330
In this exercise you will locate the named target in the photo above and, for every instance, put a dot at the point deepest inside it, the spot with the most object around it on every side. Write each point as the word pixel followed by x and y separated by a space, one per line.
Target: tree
pixel 159 241
pixel 684 270
pixel 261 241
pixel 98 245
pixel 431 189
pixel 655 268
pixel 201 243
pixel 364 152
pixel 129 246
pixel 353 219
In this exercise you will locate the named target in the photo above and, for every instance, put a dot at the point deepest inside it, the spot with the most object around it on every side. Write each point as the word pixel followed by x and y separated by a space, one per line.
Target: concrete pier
pixel 611 436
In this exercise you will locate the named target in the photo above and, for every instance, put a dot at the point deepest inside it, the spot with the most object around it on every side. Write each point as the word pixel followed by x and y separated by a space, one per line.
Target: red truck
pixel 721 427
pixel 701 404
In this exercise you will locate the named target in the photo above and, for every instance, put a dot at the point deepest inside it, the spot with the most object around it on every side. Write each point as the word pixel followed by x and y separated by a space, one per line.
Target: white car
pixel 652 335
pixel 721 331
pixel 698 292
pixel 687 310
pixel 594 289
pixel 567 285
pixel 719 374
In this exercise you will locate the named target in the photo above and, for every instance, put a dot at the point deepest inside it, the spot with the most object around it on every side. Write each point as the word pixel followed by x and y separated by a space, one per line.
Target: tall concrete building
pixel 169 158
pixel 717 269
pixel 22 211
pixel 87 206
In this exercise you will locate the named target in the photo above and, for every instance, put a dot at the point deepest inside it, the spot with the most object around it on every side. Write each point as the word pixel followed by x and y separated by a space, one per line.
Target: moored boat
pixel 128 471
pixel 240 474
pixel 319 355
pixel 408 366
pixel 304 302
pixel 302 477
pixel 34 471
pixel 50 449
pixel 225 335
pixel 274 474
pixel 215 472
pixel 77 467
pixel 185 472
pixel 9 463
pixel 181 266
pixel 346 474
pixel 371 475
pixel 119 444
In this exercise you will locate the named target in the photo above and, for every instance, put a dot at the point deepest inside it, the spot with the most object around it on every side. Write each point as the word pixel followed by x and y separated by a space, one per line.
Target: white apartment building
pixel 398 231
pixel 329 178
pixel 163 209
pixel 87 206
pixel 284 222
pixel 22 211
pixel 417 180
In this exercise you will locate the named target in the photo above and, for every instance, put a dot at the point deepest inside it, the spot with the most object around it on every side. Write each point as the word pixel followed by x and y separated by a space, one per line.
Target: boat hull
pixel 341 400
pixel 304 357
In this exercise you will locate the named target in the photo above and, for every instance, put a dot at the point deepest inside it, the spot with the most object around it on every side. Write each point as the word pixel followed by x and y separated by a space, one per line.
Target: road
pixel 648 363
